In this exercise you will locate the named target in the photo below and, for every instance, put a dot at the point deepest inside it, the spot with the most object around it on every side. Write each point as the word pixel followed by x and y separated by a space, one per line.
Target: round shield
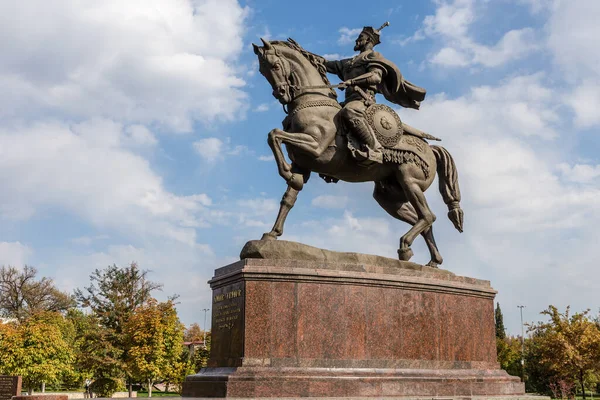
pixel 385 123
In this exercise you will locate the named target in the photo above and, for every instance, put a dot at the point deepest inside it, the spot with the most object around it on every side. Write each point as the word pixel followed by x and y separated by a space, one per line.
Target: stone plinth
pixel 346 326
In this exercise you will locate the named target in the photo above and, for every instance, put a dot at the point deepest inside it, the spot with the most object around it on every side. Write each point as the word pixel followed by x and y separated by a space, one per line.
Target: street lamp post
pixel 204 327
pixel 522 345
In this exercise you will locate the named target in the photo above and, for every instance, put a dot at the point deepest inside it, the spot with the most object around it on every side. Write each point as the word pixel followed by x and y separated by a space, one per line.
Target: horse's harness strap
pixel 316 103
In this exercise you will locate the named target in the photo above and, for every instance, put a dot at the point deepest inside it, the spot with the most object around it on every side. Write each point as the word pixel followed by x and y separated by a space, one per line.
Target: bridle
pixel 295 90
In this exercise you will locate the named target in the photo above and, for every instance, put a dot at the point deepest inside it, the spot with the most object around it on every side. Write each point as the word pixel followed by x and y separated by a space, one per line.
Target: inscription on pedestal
pixel 227 340
pixel 9 386
pixel 227 312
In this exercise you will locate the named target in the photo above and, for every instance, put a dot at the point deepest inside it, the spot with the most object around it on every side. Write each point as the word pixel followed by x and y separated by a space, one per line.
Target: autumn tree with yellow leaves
pixel 36 348
pixel 155 338
pixel 568 346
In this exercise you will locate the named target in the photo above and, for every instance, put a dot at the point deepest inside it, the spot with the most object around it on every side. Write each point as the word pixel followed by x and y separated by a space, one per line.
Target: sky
pixel 136 131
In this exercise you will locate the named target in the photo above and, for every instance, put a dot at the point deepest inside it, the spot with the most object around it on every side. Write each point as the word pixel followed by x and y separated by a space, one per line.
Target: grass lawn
pixel 159 394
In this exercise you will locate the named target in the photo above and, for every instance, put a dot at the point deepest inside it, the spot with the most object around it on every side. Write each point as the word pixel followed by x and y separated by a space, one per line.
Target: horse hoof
pixel 269 236
pixel 433 264
pixel 405 254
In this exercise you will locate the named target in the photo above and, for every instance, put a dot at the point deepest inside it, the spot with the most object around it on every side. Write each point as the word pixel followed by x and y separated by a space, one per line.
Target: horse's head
pixel 277 69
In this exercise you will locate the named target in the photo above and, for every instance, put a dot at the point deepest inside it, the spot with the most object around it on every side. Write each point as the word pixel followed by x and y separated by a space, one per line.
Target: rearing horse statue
pixel 316 143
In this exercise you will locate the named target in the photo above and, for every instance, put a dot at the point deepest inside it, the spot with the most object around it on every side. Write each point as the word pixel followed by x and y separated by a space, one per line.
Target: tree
pixel 200 357
pixel 193 333
pixel 500 332
pixel 21 295
pixel 568 345
pixel 155 338
pixel 509 355
pixel 113 296
pixel 36 349
pixel 115 293
pixel 540 377
pixel 82 339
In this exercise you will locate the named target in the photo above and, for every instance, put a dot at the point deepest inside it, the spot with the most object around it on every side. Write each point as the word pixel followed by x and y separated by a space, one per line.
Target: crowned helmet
pixel 374 34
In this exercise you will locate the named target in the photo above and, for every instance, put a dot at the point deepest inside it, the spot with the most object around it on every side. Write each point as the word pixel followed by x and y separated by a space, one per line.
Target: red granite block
pixel 355 315
pixel 309 329
pixel 487 346
pixel 421 327
pixel 283 320
pixel 332 332
pixel 383 323
pixel 258 319
pixel 395 336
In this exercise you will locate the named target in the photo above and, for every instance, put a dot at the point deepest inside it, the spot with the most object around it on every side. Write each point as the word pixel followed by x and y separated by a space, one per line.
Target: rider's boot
pixel 363 134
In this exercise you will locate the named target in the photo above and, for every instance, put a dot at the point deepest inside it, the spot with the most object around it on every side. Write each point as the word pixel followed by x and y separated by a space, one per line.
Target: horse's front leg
pixel 287 202
pixel 302 141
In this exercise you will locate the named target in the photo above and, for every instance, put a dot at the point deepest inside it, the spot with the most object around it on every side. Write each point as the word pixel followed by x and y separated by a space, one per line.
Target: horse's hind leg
pixel 395 204
pixel 408 176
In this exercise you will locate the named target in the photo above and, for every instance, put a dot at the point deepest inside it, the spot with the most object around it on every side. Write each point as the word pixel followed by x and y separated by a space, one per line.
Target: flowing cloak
pixel 394 87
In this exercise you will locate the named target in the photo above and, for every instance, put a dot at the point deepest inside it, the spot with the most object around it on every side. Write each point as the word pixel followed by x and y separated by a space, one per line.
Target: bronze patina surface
pixel 357 140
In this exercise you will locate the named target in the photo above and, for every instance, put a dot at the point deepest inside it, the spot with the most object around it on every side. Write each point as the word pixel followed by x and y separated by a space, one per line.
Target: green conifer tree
pixel 500 333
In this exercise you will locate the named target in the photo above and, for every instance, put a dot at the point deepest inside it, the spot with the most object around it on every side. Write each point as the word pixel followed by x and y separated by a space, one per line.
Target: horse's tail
pixel 448 178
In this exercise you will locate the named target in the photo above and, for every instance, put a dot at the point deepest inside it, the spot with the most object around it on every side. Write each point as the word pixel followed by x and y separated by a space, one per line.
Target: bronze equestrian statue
pixel 360 140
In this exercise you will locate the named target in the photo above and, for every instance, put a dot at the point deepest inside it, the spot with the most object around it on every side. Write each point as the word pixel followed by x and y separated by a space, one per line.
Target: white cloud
pixel 451 19
pixel 450 57
pixel 210 149
pixel 88 240
pixel 82 169
pixel 536 6
pixel 348 35
pixel 262 107
pixel 336 56
pixel 214 149
pixel 585 102
pixel 259 206
pixel 573 31
pixel 162 61
pixel 141 136
pixel 267 158
pixel 522 106
pixel 451 24
pixel 328 201
pixel 581 173
pixel 14 254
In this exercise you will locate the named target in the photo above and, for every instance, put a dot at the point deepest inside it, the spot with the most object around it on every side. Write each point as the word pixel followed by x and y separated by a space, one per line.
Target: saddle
pixel 400 142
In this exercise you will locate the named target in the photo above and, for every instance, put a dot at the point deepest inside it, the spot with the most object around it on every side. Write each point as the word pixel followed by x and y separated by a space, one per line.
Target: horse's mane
pixel 317 61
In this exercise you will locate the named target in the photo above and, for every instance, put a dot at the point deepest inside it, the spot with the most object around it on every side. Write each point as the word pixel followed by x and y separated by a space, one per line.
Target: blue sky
pixel 136 131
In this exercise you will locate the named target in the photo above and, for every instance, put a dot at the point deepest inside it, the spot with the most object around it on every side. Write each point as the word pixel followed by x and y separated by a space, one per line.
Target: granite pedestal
pixel 348 325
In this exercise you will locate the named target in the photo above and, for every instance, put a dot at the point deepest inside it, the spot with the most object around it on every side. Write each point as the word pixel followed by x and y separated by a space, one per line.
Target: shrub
pixel 106 387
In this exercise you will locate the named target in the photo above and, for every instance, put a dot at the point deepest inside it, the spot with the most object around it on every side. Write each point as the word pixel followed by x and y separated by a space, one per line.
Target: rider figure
pixel 363 76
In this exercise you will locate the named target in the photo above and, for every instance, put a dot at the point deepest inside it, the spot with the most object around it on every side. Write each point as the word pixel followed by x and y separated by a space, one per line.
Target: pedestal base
pixel 356 327
pixel 260 382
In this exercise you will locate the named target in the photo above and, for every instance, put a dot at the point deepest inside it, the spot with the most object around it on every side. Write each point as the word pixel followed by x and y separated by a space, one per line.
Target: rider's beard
pixel 360 45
